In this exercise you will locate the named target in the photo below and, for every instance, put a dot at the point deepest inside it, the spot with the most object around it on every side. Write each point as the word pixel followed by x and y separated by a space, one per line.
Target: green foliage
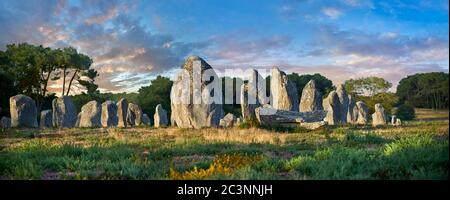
pixel 158 92
pixel 425 90
pixel 32 67
pixel 323 84
pixel 416 150
pixel 367 86
pixel 417 157
pixel 388 100
pixel 7 90
pixel 405 112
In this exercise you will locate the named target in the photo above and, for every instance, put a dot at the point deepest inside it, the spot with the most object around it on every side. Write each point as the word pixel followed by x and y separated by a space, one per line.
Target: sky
pixel 131 42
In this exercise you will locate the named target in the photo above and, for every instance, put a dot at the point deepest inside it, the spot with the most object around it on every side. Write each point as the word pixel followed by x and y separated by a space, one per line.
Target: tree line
pixel 28 69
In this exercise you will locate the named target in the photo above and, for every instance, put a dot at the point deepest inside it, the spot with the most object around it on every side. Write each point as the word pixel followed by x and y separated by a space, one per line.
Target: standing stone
pixel 248 107
pixel 344 101
pixel 333 106
pixel 363 113
pixel 352 113
pixel 146 120
pixel 109 114
pixel 77 123
pixel 284 92
pixel 122 110
pixel 227 121
pixel 46 119
pixel 64 112
pixel 160 116
pixel 395 121
pixel 23 111
pixel 189 109
pixel 311 99
pixel 91 114
pixel 5 122
pixel 134 115
pixel 379 118
pixel 238 122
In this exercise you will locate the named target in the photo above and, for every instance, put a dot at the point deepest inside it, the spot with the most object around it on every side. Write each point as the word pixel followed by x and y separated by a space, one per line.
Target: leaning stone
pixel 284 92
pixel 109 114
pixel 379 118
pixel 160 116
pixel 46 119
pixel 122 110
pixel 5 122
pixel 91 114
pixel 227 121
pixel 23 111
pixel 311 99
pixel 146 120
pixel 188 109
pixel 363 113
pixel 64 112
pixel 134 115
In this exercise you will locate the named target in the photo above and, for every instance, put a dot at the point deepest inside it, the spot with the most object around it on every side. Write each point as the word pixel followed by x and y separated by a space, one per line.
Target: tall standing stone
pixel 5 122
pixel 160 117
pixel 284 92
pixel 109 114
pixel 248 107
pixel 311 99
pixel 91 114
pixel 64 112
pixel 363 113
pixel 189 109
pixel 379 118
pixel 122 110
pixel 344 101
pixel 46 119
pixel 333 107
pixel 23 111
pixel 352 113
pixel 134 115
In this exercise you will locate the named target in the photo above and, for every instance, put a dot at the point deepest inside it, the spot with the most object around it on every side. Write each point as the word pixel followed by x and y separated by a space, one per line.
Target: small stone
pixel 46 119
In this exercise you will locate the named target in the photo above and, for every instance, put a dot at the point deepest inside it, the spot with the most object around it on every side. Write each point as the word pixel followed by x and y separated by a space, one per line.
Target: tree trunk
pixel 64 81
pixel 70 83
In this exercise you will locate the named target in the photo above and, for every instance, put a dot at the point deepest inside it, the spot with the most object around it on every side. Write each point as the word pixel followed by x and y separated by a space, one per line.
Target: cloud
pixel 331 12
pixel 330 40
pixel 105 31
pixel 242 47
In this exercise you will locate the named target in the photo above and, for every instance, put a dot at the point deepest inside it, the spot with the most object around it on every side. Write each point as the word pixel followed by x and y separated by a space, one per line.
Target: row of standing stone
pixel 341 107
pixel 63 114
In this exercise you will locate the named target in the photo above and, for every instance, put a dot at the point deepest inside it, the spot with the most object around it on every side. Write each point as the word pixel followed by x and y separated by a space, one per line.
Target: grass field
pixel 417 150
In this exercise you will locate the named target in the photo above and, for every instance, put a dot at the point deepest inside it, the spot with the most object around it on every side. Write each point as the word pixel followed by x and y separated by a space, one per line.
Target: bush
pixel 405 112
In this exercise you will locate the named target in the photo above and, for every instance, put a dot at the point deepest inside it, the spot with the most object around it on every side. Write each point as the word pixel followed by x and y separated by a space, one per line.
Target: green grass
pixel 417 150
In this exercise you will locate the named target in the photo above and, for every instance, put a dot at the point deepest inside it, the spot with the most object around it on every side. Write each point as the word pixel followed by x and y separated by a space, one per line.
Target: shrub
pixel 405 112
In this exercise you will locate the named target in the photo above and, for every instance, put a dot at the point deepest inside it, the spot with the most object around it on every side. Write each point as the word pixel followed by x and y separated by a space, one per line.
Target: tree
pixel 405 112
pixel 367 86
pixel 158 92
pixel 425 90
pixel 323 84
pixel 7 90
